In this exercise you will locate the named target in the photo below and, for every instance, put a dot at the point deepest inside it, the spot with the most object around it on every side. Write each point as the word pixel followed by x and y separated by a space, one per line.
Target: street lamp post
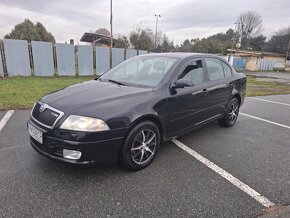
pixel 111 23
pixel 157 16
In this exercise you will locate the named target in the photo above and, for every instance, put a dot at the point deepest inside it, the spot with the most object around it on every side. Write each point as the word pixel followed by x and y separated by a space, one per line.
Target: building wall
pixel 256 63
pixel 269 58
pixel 251 64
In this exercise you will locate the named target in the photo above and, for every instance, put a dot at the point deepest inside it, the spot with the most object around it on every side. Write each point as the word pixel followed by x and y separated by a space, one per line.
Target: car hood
pixel 95 98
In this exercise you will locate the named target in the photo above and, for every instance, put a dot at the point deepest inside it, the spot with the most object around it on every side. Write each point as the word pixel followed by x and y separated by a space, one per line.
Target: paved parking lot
pixel 256 151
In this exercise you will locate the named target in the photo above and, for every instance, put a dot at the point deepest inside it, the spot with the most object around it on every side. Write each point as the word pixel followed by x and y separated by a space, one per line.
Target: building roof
pixel 255 53
pixel 95 37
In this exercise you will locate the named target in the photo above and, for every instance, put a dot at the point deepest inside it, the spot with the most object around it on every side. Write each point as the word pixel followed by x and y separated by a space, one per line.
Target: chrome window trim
pixel 51 108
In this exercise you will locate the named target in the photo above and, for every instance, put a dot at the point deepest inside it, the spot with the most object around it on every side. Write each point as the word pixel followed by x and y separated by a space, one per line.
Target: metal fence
pixel 268 64
pixel 239 63
pixel 118 56
pixel 46 59
pixel 42 53
pixel 102 60
pixel 17 57
pixel 1 65
pixel 85 60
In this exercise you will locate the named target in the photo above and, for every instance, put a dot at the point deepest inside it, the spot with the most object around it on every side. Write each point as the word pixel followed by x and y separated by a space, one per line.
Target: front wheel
pixel 231 114
pixel 141 146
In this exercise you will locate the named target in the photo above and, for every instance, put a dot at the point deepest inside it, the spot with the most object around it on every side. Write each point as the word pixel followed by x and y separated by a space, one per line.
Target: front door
pixel 187 106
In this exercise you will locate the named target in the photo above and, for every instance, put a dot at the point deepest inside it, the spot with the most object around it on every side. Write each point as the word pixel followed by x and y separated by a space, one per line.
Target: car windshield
pixel 145 71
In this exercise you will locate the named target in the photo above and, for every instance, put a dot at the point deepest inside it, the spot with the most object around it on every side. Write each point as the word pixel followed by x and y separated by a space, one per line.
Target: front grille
pixel 48 116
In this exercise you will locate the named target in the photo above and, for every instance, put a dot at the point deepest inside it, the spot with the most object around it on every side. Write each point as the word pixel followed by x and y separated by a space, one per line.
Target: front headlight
pixel 87 124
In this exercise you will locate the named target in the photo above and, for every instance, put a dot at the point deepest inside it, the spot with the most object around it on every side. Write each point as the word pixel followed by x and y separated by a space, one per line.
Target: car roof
pixel 180 55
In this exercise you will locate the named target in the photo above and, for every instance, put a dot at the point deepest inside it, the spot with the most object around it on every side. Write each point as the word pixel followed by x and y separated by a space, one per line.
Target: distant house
pixel 253 58
pixel 97 39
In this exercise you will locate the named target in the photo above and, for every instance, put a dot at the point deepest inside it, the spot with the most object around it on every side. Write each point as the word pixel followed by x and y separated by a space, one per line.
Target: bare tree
pixel 249 25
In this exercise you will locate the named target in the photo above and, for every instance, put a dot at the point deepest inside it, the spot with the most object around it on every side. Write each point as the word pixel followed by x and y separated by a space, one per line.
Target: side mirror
pixel 182 83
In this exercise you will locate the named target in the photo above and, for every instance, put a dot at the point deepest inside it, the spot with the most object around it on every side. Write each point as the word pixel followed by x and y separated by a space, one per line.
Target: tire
pixel 141 146
pixel 231 114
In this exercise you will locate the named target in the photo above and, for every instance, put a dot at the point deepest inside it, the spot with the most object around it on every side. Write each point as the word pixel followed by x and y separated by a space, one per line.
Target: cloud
pixel 179 19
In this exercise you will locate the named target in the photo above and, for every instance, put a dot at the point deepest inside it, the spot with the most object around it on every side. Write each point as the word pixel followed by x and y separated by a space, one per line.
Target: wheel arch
pixel 237 96
pixel 149 117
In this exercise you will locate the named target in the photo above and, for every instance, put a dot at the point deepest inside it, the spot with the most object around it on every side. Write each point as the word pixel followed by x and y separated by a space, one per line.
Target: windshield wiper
pixel 117 82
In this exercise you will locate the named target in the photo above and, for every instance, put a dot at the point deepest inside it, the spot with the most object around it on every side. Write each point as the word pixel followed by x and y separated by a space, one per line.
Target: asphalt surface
pixel 2 113
pixel 175 185
pixel 279 98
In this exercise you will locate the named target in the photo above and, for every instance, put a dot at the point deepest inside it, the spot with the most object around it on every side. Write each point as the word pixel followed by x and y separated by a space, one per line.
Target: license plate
pixel 35 133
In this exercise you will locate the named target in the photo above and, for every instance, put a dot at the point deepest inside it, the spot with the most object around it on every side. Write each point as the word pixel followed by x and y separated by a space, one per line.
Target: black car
pixel 129 111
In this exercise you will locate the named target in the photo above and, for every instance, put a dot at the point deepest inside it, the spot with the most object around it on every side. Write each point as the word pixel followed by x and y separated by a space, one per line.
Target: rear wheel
pixel 231 114
pixel 141 146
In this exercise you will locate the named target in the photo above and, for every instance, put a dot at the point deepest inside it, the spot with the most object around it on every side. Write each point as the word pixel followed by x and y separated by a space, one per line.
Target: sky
pixel 182 19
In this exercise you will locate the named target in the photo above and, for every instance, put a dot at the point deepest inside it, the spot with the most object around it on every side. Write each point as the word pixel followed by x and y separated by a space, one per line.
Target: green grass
pixel 260 88
pixel 22 92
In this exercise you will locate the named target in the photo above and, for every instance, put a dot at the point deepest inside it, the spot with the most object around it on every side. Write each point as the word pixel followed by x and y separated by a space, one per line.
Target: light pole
pixel 157 16
pixel 288 51
pixel 111 23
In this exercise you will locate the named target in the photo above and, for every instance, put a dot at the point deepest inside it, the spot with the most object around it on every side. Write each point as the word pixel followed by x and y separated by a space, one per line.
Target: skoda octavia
pixel 126 114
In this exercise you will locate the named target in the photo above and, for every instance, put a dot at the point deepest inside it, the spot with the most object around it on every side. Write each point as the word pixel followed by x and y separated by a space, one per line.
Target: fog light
pixel 71 154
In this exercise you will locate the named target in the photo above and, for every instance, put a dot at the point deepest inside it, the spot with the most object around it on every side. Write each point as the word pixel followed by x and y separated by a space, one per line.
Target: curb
pixel 282 213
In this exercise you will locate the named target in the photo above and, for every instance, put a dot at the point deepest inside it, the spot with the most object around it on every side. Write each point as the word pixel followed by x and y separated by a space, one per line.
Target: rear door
pixel 219 86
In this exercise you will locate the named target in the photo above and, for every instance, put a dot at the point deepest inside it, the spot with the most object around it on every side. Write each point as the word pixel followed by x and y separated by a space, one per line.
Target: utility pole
pixel 288 52
pixel 111 23
pixel 157 16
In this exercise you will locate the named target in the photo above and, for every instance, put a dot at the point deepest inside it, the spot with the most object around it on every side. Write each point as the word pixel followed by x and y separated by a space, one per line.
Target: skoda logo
pixel 42 108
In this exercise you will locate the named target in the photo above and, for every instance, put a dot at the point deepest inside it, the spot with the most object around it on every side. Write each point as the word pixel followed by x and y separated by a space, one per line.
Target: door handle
pixel 205 91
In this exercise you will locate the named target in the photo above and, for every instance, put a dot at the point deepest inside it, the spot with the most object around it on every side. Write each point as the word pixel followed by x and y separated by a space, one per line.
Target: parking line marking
pixel 267 121
pixel 274 102
pixel 5 119
pixel 229 177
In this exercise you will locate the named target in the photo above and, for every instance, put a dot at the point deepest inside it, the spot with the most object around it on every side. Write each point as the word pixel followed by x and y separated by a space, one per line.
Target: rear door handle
pixel 205 91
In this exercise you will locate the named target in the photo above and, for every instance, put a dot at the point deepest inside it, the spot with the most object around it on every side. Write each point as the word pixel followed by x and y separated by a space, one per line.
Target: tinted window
pixel 193 71
pixel 227 70
pixel 214 68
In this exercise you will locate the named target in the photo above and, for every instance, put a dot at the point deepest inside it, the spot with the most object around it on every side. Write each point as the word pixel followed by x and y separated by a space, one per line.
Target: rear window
pixel 214 68
pixel 217 69
pixel 227 70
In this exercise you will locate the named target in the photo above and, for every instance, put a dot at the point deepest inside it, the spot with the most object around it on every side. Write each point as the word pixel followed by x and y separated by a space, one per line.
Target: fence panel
pixel 85 60
pixel 239 63
pixel 42 58
pixel 130 53
pixel 117 56
pixel 17 57
pixel 267 64
pixel 102 60
pixel 142 52
pixel 65 59
pixel 1 66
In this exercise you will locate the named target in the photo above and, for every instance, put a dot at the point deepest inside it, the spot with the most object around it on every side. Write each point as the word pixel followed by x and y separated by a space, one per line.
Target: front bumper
pixel 93 152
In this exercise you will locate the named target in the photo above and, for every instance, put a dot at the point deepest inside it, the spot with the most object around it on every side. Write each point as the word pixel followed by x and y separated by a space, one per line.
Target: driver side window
pixel 193 71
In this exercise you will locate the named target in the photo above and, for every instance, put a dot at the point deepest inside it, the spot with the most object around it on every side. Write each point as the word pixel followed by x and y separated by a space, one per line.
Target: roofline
pixel 97 34
pixel 256 53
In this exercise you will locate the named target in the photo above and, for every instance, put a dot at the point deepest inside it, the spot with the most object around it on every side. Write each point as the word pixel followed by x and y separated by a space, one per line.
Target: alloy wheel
pixel 233 112
pixel 144 146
